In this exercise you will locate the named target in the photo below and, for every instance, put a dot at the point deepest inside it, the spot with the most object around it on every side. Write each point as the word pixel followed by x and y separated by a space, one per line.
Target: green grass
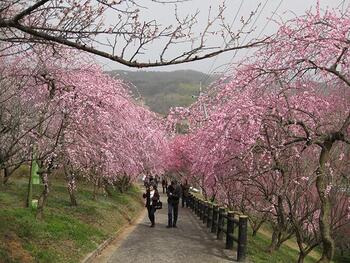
pixel 65 234
pixel 342 258
pixel 287 253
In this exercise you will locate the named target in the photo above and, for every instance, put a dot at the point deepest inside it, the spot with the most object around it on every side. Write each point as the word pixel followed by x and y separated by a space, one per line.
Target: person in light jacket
pixel 152 197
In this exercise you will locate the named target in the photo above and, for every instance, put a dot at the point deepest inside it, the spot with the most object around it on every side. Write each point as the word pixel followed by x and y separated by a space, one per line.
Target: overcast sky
pixel 285 9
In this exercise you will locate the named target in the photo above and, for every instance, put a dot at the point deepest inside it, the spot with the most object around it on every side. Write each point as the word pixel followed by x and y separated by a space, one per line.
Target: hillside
pixel 65 233
pixel 163 90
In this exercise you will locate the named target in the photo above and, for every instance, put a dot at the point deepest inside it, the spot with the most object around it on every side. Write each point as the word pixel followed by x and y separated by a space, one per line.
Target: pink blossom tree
pixel 85 121
pixel 291 96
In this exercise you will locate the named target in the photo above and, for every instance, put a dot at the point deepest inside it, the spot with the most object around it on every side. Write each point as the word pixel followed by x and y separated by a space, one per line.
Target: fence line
pixel 223 223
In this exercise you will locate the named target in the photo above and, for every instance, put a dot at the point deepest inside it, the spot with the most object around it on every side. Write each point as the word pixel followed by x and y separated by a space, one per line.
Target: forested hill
pixel 162 90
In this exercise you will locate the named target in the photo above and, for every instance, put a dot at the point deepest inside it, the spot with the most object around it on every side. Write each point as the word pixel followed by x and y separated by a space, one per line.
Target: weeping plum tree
pixel 111 136
pixel 291 98
pixel 34 39
pixel 45 29
pixel 82 120
pixel 292 57
pixel 15 126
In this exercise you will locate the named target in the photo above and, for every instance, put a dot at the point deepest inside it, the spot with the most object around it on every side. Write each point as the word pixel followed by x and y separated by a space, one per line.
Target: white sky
pixel 286 9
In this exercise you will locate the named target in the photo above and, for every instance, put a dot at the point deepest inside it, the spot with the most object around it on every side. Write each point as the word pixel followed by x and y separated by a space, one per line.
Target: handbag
pixel 159 205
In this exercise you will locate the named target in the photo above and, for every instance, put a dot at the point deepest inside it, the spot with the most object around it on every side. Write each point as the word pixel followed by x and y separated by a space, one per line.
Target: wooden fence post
pixel 192 202
pixel 205 212
pixel 209 215
pixel 214 219
pixel 220 233
pixel 230 227
pixel 201 205
pixel 198 207
pixel 242 238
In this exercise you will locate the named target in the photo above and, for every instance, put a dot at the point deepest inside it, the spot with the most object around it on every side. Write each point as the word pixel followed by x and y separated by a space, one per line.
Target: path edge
pixel 91 256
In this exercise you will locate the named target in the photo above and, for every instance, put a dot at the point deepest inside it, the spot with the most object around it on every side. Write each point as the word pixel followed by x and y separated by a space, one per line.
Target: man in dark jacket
pixel 173 193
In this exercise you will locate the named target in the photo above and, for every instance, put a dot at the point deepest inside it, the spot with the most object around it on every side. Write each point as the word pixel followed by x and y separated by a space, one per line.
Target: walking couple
pixel 153 200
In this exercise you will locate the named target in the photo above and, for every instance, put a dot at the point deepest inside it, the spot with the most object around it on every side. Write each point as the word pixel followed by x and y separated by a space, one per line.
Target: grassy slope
pixel 288 252
pixel 66 234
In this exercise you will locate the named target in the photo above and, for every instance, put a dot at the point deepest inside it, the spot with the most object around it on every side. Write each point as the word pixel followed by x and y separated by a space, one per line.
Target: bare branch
pixel 29 10
pixel 82 26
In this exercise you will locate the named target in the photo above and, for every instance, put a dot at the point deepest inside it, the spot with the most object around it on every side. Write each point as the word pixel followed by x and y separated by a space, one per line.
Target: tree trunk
pixel 43 197
pixel 126 183
pixel 109 193
pixel 30 188
pixel 274 241
pixel 71 191
pixel 105 187
pixel 325 214
pixel 301 257
pixel 73 200
pixel 280 233
pixel 70 185
pixel 279 242
pixel 6 175
pixel 96 186
pixel 8 172
pixel 256 225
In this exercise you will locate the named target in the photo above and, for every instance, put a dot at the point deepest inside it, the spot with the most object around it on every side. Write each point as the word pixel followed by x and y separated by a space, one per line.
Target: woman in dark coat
pixel 152 197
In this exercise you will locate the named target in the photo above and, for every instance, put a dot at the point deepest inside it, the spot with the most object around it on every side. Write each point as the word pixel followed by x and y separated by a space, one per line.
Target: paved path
pixel 189 243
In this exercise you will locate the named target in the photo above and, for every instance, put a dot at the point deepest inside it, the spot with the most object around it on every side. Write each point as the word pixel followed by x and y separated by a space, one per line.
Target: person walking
pixel 173 193
pixel 164 185
pixel 152 198
pixel 145 180
pixel 151 180
pixel 185 188
pixel 157 179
